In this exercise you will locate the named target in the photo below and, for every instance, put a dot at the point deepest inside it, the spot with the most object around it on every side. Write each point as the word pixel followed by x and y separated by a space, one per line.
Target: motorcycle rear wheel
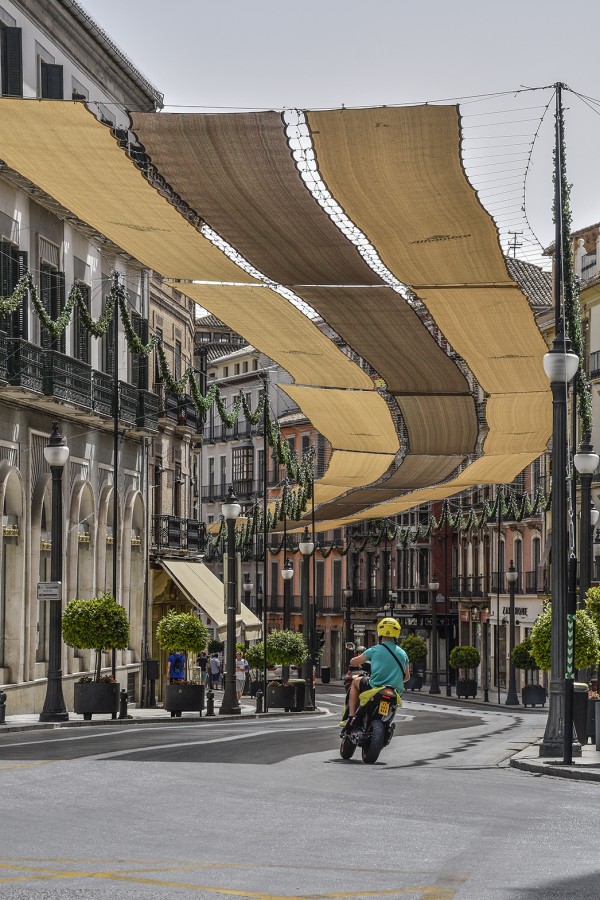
pixel 371 751
pixel 347 748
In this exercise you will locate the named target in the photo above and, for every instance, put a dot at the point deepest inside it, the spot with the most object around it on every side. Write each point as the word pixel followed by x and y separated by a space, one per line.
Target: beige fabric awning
pixel 207 593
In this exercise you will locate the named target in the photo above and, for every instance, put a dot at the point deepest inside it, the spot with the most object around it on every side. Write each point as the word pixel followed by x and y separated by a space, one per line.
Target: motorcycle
pixel 373 726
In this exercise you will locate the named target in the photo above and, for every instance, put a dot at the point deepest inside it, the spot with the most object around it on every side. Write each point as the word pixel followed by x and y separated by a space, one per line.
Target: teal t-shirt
pixel 384 669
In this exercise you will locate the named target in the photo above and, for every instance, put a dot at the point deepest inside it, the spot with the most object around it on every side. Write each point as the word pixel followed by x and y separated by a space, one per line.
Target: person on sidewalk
pixel 241 670
pixel 202 664
pixel 176 668
pixel 215 671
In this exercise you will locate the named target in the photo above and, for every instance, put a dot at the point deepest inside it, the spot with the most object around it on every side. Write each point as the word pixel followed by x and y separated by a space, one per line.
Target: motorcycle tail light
pixel 388 695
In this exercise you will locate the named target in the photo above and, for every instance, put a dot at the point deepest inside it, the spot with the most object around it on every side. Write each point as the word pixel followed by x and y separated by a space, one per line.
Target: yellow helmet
pixel 388 628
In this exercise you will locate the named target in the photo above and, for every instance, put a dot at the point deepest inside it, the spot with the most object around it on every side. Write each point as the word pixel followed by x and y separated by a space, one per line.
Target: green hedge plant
pixel 464 658
pixel 184 632
pixel 415 648
pixel 286 648
pixel 587 641
pixel 98 623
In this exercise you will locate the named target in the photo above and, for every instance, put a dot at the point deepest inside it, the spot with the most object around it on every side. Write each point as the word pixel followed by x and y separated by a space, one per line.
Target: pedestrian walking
pixel 215 671
pixel 176 668
pixel 241 670
pixel 202 664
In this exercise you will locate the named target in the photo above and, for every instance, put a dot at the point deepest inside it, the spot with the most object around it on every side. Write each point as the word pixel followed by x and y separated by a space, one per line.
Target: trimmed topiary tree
pixel 592 605
pixel 415 648
pixel 286 648
pixel 182 631
pixel 587 641
pixel 98 623
pixel 464 658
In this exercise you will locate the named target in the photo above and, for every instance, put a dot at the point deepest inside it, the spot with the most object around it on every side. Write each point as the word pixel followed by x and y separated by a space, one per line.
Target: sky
pixel 271 54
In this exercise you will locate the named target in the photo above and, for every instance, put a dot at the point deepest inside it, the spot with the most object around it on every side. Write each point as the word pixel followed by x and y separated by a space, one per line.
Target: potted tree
pixel 533 693
pixel 255 658
pixel 587 652
pixel 187 633
pixel 98 623
pixel 416 649
pixel 285 648
pixel 466 659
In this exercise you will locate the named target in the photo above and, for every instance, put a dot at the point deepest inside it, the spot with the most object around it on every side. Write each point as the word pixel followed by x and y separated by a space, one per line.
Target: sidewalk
pixel 31 721
pixel 584 768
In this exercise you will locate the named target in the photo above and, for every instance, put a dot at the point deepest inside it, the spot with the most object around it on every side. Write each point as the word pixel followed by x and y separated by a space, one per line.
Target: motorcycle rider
pixel 389 665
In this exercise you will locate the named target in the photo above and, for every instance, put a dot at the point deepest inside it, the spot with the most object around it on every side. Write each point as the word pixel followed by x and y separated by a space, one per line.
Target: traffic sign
pixel 49 590
pixel 359 629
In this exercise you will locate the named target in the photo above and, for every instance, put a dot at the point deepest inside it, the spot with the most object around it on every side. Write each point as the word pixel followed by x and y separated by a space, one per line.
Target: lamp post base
pixel 54 716
pixel 230 705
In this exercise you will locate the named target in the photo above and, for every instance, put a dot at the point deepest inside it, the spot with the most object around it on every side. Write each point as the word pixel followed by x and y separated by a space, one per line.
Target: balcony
pixel 244 489
pixel 168 403
pixel 25 365
pixel 469 586
pixel 147 411
pixel 128 403
pixel 102 394
pixel 3 358
pixel 68 379
pixel 174 533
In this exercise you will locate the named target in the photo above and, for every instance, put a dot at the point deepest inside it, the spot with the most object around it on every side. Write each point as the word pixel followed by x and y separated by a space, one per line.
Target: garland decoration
pixel 572 310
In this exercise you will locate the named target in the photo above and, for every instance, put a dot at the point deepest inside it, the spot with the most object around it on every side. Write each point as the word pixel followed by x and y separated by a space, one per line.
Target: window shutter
pixel 108 350
pixel 6 260
pixel 52 81
pixel 20 317
pixel 46 301
pixel 82 338
pixel 139 364
pixel 60 301
pixel 12 62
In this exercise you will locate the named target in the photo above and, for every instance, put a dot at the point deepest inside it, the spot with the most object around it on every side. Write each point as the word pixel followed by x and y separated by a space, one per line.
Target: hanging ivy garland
pixel 571 294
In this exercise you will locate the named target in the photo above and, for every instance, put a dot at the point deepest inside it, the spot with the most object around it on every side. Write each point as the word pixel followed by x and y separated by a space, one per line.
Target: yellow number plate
pixel 384 707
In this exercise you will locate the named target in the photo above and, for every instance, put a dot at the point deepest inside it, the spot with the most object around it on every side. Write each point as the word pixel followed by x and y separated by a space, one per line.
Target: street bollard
pixel 2 708
pixel 259 701
pixel 210 703
pixel 123 705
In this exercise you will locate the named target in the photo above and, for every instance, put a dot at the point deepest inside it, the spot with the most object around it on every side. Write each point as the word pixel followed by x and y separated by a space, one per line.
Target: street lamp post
pixel 247 586
pixel 511 697
pixel 393 599
pixel 231 510
pixel 306 547
pixel 586 463
pixel 287 573
pixel 56 453
pixel 434 687
pixel 348 635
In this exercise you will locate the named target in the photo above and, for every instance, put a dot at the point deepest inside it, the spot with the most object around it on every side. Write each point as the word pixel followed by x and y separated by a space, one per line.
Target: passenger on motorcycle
pixel 389 665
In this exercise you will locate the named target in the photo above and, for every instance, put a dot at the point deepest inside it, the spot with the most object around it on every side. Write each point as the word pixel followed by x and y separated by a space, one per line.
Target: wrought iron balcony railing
pixel 66 378
pixel 175 533
pixel 25 365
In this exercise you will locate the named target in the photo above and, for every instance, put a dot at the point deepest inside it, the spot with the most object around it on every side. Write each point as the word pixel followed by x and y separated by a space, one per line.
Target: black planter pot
pixel 96 698
pixel 533 695
pixel 591 719
pixel 184 698
pixel 256 686
pixel 281 696
pixel 414 683
pixel 466 688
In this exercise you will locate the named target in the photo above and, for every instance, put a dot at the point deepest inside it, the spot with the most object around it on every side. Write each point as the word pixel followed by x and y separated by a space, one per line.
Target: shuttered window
pixel 13 264
pixel 52 296
pixel 11 62
pixel 139 364
pixel 51 81
pixel 81 334
pixel 107 347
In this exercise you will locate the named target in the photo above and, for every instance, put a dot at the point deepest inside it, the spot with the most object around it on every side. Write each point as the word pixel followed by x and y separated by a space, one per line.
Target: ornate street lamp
pixel 231 510
pixel 56 453
pixel 434 687
pixel 287 573
pixel 511 697
pixel 306 547
pixel 247 586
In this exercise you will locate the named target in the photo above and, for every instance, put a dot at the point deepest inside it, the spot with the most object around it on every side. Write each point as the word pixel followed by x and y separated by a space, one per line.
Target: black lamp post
pixel 306 547
pixel 511 697
pixel 586 463
pixel 231 510
pixel 435 686
pixel 56 453
pixel 287 573
pixel 348 634
pixel 247 586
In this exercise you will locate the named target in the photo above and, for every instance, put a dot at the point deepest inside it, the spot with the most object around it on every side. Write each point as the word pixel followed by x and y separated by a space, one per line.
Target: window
pixel 11 61
pixel 211 474
pixel 223 472
pixel 13 264
pixel 52 296
pixel 254 365
pixel 139 364
pixel 236 369
pixel 337 579
pixel 225 371
pixel 243 469
pixel 320 461
pixel 177 490
pixel 245 366
pixel 81 336
pixel 320 581
pixel 177 360
pixel 51 81
pixel 305 444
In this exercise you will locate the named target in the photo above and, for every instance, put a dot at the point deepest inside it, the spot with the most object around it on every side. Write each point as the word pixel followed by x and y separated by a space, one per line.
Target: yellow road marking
pixel 6 767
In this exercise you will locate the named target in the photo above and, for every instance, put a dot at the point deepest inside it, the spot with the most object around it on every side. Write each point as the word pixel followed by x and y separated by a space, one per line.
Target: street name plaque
pixel 49 590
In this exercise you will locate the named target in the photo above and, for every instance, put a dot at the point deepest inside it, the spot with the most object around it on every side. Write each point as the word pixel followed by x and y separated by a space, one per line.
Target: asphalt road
pixel 267 809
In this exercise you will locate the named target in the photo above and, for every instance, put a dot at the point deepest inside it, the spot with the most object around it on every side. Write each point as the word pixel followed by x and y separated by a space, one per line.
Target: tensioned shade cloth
pixel 61 147
pixel 207 592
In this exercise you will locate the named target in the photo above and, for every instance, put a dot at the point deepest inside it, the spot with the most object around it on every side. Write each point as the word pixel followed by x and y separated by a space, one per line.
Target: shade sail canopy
pixel 207 593
pixel 459 371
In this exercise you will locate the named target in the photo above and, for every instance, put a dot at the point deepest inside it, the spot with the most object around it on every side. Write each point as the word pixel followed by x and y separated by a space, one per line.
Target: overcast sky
pixel 271 54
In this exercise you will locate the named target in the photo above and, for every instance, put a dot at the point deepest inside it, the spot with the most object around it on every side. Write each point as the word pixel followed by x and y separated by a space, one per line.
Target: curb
pixel 551 768
pixel 152 720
